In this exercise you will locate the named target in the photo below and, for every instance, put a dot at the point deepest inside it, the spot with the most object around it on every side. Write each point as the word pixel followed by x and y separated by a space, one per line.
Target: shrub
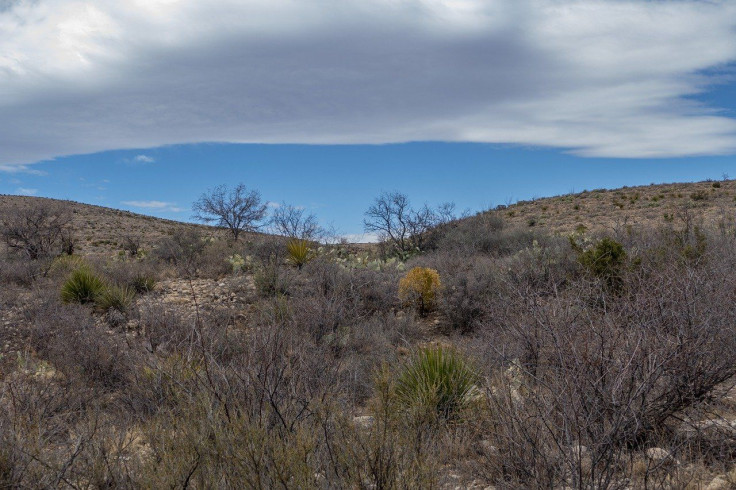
pixel 270 281
pixel 419 288
pixel 115 298
pixel 184 249
pixel 604 260
pixel 83 286
pixel 699 195
pixel 143 283
pixel 437 381
pixel 38 231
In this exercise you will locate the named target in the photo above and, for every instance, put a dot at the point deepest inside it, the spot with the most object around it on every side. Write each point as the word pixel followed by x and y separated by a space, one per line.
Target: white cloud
pixel 24 191
pixel 148 204
pixel 21 169
pixel 362 237
pixel 170 207
pixel 143 159
pixel 600 77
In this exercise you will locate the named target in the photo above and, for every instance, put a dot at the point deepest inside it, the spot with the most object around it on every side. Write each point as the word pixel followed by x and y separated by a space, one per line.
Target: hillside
pixel 711 202
pixel 100 230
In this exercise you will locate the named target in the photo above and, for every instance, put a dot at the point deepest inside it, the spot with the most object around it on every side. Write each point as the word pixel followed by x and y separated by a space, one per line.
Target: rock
pixel 364 421
pixel 487 448
pixel 658 454
pixel 719 483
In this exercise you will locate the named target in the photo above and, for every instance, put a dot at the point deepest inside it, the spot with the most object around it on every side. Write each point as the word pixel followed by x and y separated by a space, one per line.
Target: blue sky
pixel 144 105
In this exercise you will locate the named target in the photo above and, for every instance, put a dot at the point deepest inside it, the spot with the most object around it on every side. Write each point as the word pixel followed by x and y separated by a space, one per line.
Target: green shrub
pixel 83 286
pixel 604 260
pixel 436 382
pixel 115 298
pixel 699 195
pixel 298 252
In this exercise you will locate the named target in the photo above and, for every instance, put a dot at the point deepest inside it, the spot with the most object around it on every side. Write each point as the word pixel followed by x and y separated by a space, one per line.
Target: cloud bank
pixel 601 78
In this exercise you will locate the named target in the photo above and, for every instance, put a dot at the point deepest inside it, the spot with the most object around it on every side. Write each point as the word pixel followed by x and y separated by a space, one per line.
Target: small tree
pixel 39 231
pixel 392 217
pixel 237 210
pixel 294 222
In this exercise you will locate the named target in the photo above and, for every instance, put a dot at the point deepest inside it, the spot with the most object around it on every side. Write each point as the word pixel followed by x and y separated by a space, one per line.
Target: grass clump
pixel 419 288
pixel 83 286
pixel 143 283
pixel 437 382
pixel 115 298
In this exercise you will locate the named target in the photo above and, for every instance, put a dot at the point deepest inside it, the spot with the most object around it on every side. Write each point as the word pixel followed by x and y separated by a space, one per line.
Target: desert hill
pixel 102 230
pixel 710 202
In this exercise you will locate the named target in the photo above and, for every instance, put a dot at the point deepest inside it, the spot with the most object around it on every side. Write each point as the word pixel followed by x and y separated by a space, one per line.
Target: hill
pixel 100 230
pixel 711 202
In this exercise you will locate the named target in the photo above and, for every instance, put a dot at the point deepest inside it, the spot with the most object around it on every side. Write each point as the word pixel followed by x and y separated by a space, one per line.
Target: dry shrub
pixel 68 338
pixel 420 288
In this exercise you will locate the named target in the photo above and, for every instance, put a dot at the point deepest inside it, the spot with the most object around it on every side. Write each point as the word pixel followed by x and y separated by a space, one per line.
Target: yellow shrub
pixel 419 288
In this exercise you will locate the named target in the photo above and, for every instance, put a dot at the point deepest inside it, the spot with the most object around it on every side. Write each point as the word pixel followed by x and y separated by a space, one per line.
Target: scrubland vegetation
pixel 475 355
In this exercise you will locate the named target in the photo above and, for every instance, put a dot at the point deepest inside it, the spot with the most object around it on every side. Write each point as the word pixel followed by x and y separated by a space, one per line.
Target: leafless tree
pixel 294 222
pixel 389 216
pixel 393 218
pixel 38 231
pixel 238 209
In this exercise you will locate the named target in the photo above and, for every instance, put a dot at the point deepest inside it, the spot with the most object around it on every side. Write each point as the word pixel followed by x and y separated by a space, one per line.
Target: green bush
pixel 604 260
pixel 115 298
pixel 437 382
pixel 83 286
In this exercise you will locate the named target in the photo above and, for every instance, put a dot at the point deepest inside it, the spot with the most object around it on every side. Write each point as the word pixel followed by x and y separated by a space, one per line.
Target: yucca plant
pixel 299 252
pixel 83 286
pixel 115 298
pixel 436 382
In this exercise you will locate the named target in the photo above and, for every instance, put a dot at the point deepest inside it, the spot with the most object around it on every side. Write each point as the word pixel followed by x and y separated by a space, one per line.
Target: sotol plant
pixel 299 252
pixel 115 298
pixel 83 286
pixel 437 381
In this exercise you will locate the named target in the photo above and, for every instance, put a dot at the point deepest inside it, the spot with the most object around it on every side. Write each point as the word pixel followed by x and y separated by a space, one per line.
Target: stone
pixel 364 421
pixel 719 483
pixel 658 454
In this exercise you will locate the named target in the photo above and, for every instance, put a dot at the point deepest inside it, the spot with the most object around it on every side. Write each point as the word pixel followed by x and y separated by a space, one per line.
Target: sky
pixel 146 104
